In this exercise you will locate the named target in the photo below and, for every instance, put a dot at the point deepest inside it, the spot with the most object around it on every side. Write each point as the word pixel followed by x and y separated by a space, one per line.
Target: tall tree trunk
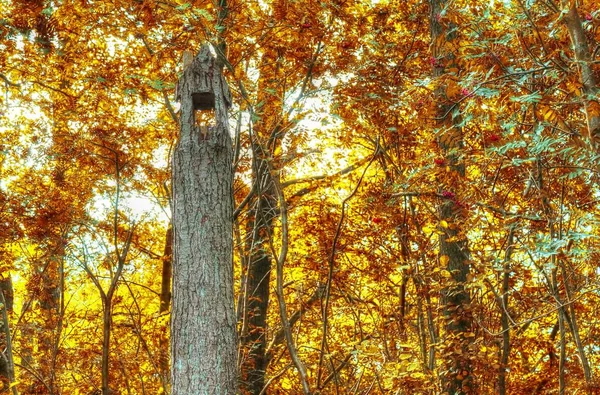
pixel 267 138
pixel 50 297
pixel 106 332
pixel 6 288
pixel 587 74
pixel 7 366
pixel 203 338
pixel 504 317
pixel 562 383
pixel 165 300
pixel 253 339
pixel 167 270
pixel 454 251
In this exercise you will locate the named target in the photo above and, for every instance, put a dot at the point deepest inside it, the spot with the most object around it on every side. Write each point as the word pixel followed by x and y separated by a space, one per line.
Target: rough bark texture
pixel 6 288
pixel 167 270
pixel 165 300
pixel 264 210
pixel 454 250
pixel 6 305
pixel 586 72
pixel 203 339
pixel 253 338
pixel 49 297
pixel 503 304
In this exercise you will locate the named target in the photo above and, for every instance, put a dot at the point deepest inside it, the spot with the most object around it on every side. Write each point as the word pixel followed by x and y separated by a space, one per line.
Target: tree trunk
pixel 267 139
pixel 454 252
pixel 6 288
pixel 504 317
pixel 203 339
pixel 167 269
pixel 253 340
pixel 165 301
pixel 7 366
pixel 106 329
pixel 586 71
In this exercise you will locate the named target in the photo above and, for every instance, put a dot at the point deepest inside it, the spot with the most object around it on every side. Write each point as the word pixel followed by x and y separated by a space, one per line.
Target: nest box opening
pixel 205 117
pixel 203 100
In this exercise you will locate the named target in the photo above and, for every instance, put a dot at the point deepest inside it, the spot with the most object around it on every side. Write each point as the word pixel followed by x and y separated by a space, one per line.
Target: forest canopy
pixel 415 183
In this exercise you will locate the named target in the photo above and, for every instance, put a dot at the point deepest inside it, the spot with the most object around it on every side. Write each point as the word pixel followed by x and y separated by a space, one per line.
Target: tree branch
pixel 8 82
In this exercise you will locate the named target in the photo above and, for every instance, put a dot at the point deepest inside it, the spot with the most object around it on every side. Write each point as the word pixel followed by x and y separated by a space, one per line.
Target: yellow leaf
pixel 593 109
pixel 405 356
pixel 427 229
pixel 444 259
pixel 444 224
pixel 445 273
pixel 388 381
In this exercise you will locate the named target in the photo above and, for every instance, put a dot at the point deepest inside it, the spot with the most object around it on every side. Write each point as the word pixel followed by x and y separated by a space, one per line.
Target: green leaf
pixel 205 14
pixel 183 7
pixel 157 84
pixel 510 146
pixel 487 92
pixel 534 97
pixel 255 117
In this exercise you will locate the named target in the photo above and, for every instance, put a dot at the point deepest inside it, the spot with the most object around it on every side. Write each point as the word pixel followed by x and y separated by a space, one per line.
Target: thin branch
pixel 534 318
pixel 331 265
pixel 279 336
pixel 480 204
pixel 275 377
pixel 55 89
pixel 325 176
pixel 8 82
pixel 280 298
pixel 244 202
pixel 170 107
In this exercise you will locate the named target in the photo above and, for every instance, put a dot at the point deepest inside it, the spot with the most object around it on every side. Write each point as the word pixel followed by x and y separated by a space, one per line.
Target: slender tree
pixel 454 252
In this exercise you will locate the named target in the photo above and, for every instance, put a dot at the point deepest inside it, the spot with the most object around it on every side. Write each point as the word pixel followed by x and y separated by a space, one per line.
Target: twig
pixel 9 82
pixel 273 378
pixel 281 301
pixel 331 265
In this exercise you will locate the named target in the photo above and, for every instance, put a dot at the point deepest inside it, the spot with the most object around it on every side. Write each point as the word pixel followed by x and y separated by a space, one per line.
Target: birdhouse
pixel 199 74
pixel 203 100
pixel 202 91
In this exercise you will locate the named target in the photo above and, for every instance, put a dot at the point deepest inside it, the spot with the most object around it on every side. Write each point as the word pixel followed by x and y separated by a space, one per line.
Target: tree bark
pixel 253 340
pixel 266 140
pixel 453 242
pixel 504 317
pixel 586 72
pixel 203 338
pixel 165 300
pixel 7 366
